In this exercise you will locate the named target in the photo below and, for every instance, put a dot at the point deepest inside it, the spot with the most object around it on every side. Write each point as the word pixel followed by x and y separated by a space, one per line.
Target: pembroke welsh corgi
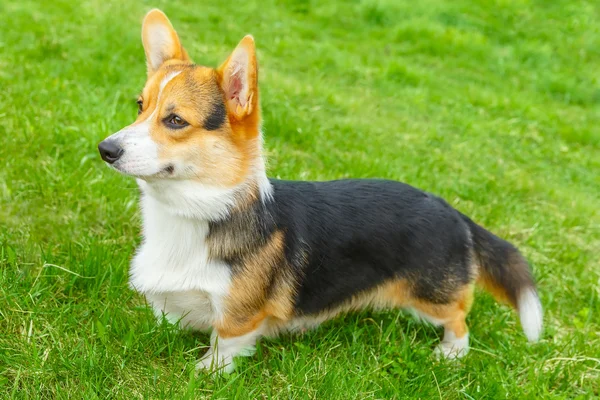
pixel 228 249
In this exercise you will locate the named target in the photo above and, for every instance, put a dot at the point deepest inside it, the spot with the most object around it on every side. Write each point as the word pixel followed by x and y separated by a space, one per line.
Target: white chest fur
pixel 173 269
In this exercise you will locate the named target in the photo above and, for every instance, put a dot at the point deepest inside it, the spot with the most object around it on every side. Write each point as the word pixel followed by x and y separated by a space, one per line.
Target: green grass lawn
pixel 494 105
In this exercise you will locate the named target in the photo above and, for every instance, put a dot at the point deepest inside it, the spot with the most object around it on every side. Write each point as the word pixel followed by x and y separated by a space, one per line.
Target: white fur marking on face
pixel 159 39
pixel 164 82
pixel 140 156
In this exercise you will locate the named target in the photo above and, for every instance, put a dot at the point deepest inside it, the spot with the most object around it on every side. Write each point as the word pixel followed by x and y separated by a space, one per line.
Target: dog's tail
pixel 505 273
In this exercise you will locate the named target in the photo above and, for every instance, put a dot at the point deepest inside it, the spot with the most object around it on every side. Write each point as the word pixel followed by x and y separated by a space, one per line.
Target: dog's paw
pixel 450 350
pixel 215 363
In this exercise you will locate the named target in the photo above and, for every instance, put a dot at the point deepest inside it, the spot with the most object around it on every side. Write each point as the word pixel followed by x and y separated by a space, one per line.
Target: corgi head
pixel 195 124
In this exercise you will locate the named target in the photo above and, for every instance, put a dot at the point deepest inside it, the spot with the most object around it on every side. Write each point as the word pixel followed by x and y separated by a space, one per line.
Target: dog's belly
pixel 191 309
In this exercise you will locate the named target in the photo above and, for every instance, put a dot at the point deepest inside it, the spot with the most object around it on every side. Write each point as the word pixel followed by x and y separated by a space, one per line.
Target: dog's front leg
pixel 230 339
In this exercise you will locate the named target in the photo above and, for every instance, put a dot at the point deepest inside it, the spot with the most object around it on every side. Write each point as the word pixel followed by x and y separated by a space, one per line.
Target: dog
pixel 229 250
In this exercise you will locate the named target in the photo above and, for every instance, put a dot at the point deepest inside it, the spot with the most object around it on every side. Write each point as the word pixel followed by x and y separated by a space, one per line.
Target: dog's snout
pixel 110 151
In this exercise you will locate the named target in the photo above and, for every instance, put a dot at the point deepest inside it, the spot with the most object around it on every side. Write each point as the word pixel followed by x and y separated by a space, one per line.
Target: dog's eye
pixel 140 104
pixel 175 121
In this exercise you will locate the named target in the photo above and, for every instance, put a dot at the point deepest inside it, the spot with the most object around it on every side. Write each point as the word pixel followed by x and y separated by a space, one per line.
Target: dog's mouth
pixel 164 172
pixel 169 169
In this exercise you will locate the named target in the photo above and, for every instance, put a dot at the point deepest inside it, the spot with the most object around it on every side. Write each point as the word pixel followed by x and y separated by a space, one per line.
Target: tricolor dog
pixel 227 249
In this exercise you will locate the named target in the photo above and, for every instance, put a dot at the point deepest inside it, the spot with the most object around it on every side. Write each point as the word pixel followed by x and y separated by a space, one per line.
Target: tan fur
pixel 231 327
pixel 250 284
pixel 391 294
pixel 398 294
pixel 228 154
pixel 493 288
pixel 247 304
pixel 451 315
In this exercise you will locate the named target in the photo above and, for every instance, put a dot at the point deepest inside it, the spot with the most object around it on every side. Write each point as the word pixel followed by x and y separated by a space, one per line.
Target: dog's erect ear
pixel 161 42
pixel 239 79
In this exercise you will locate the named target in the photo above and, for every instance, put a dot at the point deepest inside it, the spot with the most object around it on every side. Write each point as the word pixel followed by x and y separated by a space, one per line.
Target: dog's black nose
pixel 110 151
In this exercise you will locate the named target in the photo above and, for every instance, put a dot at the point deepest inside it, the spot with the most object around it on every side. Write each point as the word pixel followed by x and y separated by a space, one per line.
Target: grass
pixel 494 105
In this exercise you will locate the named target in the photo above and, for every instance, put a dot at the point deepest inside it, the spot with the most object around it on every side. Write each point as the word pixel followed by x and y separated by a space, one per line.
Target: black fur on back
pixel 346 236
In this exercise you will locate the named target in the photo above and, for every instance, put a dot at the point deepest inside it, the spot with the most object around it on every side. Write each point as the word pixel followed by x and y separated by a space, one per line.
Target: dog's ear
pixel 238 77
pixel 160 40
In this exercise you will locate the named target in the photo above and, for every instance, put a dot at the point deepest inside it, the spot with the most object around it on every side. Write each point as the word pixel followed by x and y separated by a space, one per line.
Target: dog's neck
pixel 200 202
pixel 231 222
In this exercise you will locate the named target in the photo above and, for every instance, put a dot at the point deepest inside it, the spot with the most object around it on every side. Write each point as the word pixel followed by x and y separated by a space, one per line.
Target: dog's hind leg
pixel 451 316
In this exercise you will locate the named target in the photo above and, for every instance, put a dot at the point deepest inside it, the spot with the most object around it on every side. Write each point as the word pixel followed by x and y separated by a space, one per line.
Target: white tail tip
pixel 530 312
